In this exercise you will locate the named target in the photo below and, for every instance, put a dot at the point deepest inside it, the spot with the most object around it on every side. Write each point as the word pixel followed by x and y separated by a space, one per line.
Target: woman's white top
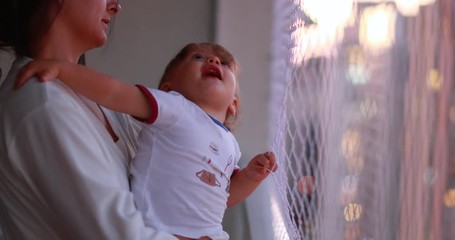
pixel 62 176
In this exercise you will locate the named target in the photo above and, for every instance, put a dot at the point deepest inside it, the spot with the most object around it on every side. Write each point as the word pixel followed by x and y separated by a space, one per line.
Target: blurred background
pixel 356 97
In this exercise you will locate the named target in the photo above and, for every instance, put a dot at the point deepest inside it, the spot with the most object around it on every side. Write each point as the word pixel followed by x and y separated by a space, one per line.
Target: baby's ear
pixel 165 87
pixel 232 109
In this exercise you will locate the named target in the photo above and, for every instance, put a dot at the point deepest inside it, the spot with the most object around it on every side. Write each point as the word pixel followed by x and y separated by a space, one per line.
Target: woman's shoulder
pixel 34 95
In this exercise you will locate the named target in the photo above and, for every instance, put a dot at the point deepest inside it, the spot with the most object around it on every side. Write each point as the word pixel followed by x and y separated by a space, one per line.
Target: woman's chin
pixel 101 40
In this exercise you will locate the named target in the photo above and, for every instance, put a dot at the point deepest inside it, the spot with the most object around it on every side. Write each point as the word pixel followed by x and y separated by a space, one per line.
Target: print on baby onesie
pixel 214 148
pixel 208 177
pixel 229 162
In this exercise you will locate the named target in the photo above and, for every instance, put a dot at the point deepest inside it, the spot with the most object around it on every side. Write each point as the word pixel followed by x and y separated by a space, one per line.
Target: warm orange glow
pixel 434 80
pixel 377 28
pixel 352 212
pixel 350 144
pixel 356 55
pixel 405 7
pixel 350 148
pixel 449 198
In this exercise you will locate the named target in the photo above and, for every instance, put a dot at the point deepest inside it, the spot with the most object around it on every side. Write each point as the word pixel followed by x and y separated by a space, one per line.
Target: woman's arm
pixel 102 89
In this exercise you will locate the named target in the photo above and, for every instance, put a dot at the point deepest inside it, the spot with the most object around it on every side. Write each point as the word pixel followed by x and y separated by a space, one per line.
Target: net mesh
pixel 366 119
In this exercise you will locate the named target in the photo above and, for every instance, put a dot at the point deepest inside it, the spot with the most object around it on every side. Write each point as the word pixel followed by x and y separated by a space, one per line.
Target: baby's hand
pixel 260 166
pixel 45 70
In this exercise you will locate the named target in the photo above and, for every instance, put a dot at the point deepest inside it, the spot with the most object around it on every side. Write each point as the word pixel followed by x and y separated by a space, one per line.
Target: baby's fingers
pixel 35 68
pixel 46 75
pixel 272 166
pixel 23 76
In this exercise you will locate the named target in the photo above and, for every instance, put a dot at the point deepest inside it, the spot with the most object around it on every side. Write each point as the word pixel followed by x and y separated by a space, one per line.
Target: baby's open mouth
pixel 212 71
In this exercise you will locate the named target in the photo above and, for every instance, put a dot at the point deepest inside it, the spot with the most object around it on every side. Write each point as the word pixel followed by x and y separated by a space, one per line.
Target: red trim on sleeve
pixel 237 170
pixel 153 105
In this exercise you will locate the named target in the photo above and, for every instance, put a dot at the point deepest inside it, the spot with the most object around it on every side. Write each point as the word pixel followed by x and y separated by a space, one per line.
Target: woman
pixel 64 160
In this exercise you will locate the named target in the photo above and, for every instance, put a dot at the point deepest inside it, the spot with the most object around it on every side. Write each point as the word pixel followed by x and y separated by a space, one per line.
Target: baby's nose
pixel 214 60
pixel 114 7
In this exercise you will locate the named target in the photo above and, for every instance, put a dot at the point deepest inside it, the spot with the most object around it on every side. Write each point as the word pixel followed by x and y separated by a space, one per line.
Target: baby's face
pixel 203 77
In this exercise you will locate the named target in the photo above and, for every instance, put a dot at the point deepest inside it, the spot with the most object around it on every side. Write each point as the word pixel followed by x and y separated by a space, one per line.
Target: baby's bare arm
pixel 102 89
pixel 248 179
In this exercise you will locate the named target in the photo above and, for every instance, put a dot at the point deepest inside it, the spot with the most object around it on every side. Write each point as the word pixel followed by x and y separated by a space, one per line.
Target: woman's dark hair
pixel 23 21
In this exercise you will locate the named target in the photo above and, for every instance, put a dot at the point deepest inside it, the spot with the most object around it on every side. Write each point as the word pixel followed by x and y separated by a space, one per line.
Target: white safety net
pixel 365 134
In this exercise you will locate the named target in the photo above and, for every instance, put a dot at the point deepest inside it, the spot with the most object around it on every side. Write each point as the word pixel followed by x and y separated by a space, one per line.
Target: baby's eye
pixel 198 56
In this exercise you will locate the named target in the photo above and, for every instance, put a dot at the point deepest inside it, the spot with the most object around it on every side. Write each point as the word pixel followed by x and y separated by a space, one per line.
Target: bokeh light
pixel 434 80
pixel 352 212
pixel 377 28
pixel 350 144
pixel 449 198
pixel 321 38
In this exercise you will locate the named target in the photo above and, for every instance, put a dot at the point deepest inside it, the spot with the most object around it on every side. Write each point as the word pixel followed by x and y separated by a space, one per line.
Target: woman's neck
pixel 51 47
pixel 47 52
